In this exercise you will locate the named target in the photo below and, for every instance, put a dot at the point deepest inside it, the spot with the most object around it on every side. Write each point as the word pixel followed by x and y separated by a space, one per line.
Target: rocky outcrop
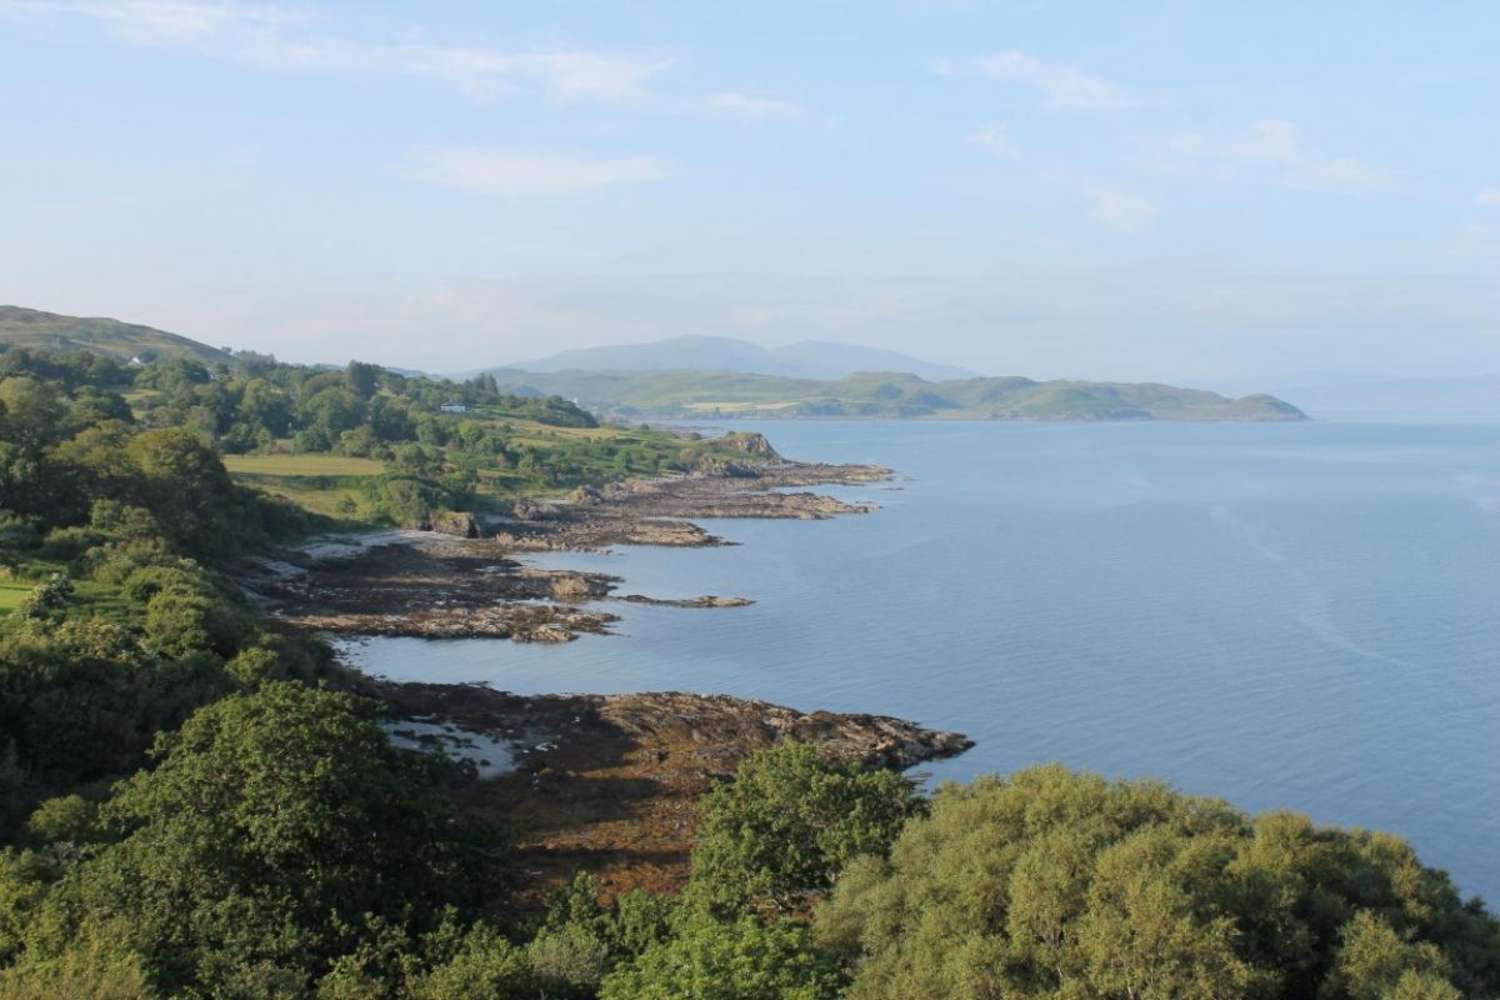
pixel 870 740
pixel 706 601
pixel 453 522
pixel 520 622
pixel 751 443
pixel 611 784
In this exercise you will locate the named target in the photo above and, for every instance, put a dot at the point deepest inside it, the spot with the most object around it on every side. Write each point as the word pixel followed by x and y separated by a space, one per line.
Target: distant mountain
pixel 1471 397
pixel 122 341
pixel 816 359
pixel 706 394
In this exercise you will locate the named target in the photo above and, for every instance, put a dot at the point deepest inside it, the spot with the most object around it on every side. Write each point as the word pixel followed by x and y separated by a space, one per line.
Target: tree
pixel 789 822
pixel 1054 884
pixel 363 378
pixel 274 824
pixel 740 960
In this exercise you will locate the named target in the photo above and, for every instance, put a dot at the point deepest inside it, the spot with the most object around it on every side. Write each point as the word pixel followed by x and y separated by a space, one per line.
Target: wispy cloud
pixel 749 107
pixel 1489 198
pixel 1120 209
pixel 510 173
pixel 273 37
pixel 1065 85
pixel 1275 145
pixel 994 139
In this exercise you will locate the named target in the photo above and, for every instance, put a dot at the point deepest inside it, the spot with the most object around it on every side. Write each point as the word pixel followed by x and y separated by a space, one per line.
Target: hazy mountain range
pixel 814 359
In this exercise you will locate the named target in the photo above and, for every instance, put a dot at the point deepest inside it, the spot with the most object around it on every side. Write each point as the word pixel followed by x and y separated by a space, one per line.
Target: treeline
pixel 360 410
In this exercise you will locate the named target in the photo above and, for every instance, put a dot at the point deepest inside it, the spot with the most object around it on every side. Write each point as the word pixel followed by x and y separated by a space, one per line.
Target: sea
pixel 1301 616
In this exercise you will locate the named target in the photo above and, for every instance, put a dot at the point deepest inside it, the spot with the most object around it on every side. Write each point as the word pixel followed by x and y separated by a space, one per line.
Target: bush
pixel 789 822
pixel 1051 883
pixel 181 621
pixel 486 965
pixel 273 827
pixel 48 602
pixel 740 960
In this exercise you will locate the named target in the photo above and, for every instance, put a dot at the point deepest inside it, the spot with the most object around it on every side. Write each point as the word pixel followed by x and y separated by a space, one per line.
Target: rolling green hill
pixel 885 394
pixel 122 341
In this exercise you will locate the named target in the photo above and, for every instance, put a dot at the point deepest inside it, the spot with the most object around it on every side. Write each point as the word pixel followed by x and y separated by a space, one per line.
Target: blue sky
pixel 1225 194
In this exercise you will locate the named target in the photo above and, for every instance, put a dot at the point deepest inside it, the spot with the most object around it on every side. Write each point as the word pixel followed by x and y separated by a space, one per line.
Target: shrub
pixel 1050 883
pixel 741 960
pixel 789 822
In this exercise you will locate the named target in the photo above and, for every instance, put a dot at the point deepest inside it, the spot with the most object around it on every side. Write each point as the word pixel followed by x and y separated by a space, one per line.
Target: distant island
pixel 689 394
pixel 639 387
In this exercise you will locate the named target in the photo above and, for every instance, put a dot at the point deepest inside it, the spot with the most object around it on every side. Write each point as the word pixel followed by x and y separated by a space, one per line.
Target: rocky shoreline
pixel 610 783
pixel 605 783
pixel 438 585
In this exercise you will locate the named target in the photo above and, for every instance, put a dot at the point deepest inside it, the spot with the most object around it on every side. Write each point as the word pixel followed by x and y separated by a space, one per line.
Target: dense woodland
pixel 196 804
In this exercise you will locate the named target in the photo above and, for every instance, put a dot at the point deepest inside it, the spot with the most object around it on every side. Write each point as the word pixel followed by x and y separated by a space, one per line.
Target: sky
pixel 1232 195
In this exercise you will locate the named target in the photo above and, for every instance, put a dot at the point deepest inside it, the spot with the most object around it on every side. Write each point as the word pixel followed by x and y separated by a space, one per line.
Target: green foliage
pixel 1054 884
pixel 273 825
pixel 487 966
pixel 180 621
pixel 48 603
pixel 789 822
pixel 744 959
pixel 97 968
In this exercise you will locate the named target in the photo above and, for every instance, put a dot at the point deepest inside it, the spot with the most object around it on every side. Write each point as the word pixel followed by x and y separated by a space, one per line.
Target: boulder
pixel 453 522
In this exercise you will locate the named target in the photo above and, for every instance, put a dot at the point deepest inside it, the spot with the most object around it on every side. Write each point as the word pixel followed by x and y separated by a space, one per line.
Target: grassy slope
pixel 12 593
pixel 302 465
pixel 884 394
pixel 49 331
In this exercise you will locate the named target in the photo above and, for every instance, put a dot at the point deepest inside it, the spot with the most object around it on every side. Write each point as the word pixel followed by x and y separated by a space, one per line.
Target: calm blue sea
pixel 1300 615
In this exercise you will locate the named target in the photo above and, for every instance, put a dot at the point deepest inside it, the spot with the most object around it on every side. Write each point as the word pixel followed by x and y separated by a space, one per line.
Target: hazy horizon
pixel 1227 199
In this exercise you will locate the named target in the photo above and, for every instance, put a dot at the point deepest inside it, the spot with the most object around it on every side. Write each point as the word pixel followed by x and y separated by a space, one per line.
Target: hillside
pixel 696 394
pixel 39 330
pixel 811 359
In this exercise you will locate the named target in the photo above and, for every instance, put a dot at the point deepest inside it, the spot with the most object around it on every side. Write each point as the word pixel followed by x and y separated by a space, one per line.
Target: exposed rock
pixel 453 522
pixel 751 443
pixel 586 496
pixel 706 601
pixel 521 622
pixel 526 510
pixel 571 588
pixel 716 465
pixel 611 783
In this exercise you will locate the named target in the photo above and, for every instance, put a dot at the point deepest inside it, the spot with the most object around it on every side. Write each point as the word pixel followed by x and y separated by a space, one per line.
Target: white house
pixel 454 407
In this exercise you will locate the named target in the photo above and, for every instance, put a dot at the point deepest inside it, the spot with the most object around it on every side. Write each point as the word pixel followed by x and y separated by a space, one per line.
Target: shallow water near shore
pixel 1301 615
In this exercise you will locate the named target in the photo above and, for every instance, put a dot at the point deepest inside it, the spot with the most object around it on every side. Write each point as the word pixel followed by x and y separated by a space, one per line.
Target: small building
pixel 454 407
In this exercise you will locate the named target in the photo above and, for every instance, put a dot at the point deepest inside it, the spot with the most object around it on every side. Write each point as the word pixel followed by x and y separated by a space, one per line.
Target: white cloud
pixel 1489 197
pixel 507 173
pixel 994 139
pixel 1120 209
pixel 1067 86
pixel 749 107
pixel 271 37
pixel 1276 145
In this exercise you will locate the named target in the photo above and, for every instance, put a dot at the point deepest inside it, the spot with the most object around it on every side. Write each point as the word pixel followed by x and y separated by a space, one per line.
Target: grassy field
pixel 12 594
pixel 321 483
pixel 294 466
